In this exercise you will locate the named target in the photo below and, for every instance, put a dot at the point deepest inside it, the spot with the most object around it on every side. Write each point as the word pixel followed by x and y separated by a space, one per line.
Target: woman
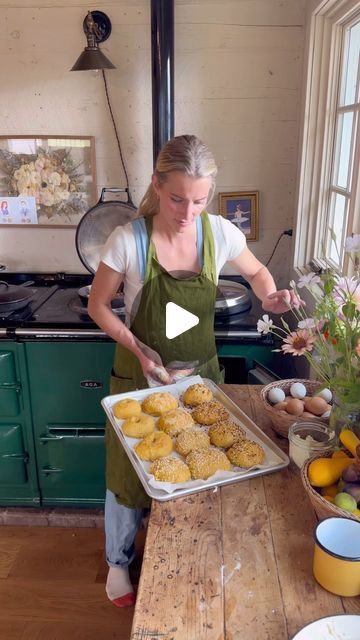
pixel 185 248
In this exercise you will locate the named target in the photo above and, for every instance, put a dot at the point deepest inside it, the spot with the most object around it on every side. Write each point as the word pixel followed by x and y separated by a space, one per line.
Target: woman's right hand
pixel 152 366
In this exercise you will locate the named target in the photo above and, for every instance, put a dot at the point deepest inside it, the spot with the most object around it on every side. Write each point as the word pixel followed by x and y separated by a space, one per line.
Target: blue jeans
pixel 121 526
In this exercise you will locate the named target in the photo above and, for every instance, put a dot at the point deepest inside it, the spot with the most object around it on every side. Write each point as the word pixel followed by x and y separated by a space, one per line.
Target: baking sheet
pixel 275 459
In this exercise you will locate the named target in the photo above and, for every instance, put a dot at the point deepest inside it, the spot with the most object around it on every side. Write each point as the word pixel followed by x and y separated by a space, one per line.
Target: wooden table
pixel 234 563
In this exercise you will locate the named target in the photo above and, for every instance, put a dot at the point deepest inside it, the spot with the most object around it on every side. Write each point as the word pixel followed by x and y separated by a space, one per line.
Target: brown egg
pixel 295 407
pixel 280 406
pixel 307 414
pixel 316 405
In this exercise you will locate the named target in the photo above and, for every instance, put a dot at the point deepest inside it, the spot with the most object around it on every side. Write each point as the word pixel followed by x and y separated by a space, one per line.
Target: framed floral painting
pixel 242 209
pixel 46 180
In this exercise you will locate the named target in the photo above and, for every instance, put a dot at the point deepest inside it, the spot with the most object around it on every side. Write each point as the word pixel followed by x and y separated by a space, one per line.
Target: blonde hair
pixel 186 154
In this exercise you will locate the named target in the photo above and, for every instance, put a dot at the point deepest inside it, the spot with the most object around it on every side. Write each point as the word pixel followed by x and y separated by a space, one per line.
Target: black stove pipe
pixel 162 67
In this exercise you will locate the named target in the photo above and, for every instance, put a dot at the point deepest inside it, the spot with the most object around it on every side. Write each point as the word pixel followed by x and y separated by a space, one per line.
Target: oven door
pixel 68 379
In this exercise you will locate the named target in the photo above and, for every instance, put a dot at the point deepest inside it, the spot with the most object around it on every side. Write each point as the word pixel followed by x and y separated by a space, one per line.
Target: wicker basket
pixel 323 508
pixel 282 421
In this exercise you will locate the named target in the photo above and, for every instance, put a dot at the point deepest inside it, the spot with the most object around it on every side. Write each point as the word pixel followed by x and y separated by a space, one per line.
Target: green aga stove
pixel 54 369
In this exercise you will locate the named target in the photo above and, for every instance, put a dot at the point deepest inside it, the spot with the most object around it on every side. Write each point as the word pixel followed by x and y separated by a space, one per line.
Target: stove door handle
pixel 45 439
pixel 46 471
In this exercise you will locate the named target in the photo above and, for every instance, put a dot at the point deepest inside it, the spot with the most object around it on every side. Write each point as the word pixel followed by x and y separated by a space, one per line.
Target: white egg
pixel 326 394
pixel 326 414
pixel 298 390
pixel 276 395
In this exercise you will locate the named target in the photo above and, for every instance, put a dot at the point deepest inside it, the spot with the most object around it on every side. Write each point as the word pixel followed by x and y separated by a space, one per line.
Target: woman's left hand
pixel 282 301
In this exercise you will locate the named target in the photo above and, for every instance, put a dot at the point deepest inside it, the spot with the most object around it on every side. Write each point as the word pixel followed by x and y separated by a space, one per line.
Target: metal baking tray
pixel 278 459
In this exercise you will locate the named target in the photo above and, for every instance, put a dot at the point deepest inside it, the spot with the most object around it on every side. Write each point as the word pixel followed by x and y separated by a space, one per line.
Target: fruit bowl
pixel 281 421
pixel 323 508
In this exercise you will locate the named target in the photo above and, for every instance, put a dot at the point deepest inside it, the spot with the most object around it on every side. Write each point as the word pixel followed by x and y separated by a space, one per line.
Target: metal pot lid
pixel 98 223
pixel 232 297
pixel 12 293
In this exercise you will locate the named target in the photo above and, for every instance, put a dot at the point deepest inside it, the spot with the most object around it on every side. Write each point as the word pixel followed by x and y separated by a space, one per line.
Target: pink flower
pixel 298 342
pixel 357 348
pixel 347 290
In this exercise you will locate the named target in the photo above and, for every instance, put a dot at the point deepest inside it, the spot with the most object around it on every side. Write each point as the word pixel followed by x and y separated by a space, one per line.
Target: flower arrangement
pixel 330 338
pixel 50 176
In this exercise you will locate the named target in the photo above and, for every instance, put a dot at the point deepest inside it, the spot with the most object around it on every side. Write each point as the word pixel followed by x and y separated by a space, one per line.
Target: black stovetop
pixel 55 304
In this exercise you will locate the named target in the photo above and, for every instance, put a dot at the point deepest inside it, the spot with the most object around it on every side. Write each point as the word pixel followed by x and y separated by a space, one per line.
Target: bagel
pixel 190 439
pixel 175 421
pixel 170 469
pixel 209 412
pixel 138 426
pixel 225 433
pixel 155 445
pixel 246 454
pixel 196 394
pixel 203 463
pixel 126 408
pixel 159 402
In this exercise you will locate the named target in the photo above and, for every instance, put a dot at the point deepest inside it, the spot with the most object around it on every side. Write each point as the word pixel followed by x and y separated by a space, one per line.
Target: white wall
pixel 238 73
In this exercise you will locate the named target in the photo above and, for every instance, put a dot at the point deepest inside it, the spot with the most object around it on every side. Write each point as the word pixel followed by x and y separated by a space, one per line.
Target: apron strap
pixel 142 243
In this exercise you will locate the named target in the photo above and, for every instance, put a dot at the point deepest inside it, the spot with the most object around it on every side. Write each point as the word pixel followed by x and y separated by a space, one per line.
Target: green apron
pixel 197 295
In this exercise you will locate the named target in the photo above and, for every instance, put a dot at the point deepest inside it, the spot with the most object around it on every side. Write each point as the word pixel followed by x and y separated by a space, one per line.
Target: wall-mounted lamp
pixel 97 28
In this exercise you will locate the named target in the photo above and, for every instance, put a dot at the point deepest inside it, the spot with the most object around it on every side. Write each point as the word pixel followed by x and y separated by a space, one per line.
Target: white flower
pixel 352 243
pixel 264 325
pixel 293 284
pixel 309 323
pixel 308 280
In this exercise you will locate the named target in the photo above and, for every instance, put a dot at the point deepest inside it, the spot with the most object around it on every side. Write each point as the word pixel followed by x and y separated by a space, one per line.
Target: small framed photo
pixel 46 180
pixel 241 208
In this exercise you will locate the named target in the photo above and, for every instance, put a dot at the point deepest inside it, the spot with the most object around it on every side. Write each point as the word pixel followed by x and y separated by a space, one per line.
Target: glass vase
pixel 344 415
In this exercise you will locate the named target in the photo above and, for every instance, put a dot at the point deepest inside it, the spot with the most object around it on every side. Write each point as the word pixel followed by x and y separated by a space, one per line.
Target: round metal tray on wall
pixel 98 223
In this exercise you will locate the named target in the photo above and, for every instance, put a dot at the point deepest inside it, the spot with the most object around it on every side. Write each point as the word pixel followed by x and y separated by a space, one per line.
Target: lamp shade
pixel 92 58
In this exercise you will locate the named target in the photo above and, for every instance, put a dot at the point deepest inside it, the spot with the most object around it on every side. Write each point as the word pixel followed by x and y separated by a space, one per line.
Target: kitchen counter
pixel 234 563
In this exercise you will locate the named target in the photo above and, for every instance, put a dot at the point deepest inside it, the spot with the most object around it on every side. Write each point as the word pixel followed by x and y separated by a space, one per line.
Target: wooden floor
pixel 52 585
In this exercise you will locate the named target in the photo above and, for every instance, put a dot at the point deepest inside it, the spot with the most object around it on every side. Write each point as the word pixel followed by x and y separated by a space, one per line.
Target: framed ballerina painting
pixel 242 209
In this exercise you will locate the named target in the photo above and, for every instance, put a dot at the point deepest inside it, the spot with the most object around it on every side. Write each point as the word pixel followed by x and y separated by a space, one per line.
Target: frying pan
pixel 116 303
pixel 13 297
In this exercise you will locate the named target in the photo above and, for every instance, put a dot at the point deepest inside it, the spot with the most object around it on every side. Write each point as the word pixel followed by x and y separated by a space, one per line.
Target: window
pixel 329 188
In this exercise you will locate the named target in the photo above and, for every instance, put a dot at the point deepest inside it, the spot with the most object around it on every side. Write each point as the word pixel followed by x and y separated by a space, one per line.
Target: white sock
pixel 118 582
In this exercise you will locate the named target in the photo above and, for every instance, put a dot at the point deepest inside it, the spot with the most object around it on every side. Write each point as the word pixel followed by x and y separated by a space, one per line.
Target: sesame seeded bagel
pixel 170 470
pixel 126 408
pixel 191 439
pixel 246 453
pixel 196 394
pixel 209 412
pixel 138 426
pixel 175 421
pixel 203 463
pixel 158 403
pixel 155 445
pixel 224 433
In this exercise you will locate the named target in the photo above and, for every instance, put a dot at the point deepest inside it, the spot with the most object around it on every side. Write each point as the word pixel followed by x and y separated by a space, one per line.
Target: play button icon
pixel 178 320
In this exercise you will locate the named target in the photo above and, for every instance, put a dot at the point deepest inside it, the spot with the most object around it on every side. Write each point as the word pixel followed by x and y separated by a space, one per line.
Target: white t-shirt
pixel 119 253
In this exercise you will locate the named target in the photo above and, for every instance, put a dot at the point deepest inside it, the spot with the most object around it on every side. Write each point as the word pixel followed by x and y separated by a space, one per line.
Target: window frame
pixel 325 37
